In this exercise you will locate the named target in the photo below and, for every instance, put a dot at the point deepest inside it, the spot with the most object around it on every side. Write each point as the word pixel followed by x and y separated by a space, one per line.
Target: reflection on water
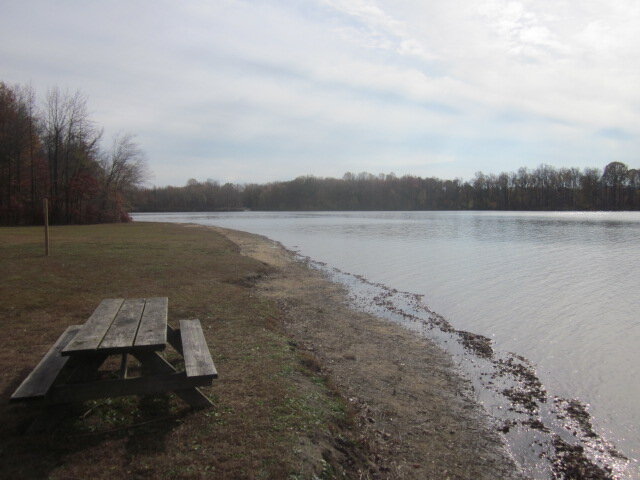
pixel 559 288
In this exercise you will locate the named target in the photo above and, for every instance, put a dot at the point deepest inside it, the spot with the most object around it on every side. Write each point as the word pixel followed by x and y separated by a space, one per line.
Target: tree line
pixel 53 149
pixel 617 187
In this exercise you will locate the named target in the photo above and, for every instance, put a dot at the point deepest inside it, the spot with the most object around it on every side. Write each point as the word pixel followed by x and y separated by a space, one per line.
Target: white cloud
pixel 264 88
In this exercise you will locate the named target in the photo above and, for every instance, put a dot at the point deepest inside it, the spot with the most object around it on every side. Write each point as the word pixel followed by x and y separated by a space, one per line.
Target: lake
pixel 559 288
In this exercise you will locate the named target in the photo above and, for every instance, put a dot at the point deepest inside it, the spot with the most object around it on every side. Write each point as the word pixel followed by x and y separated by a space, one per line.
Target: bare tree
pixel 27 98
pixel 125 168
pixel 71 143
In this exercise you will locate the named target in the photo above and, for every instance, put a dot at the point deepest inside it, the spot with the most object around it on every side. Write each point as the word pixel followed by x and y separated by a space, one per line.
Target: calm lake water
pixel 561 289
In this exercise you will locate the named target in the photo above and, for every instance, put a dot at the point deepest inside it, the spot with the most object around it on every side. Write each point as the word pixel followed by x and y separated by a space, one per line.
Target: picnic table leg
pixel 86 368
pixel 124 365
pixel 174 338
pixel 154 364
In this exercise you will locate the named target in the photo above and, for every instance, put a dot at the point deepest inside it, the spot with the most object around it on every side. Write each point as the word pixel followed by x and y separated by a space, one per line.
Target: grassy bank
pixel 272 411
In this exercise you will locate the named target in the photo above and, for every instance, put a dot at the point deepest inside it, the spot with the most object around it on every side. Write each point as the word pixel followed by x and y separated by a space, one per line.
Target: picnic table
pixel 138 328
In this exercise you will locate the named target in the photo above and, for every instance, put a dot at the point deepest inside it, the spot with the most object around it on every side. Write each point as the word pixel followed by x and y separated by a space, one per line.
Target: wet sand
pixel 414 409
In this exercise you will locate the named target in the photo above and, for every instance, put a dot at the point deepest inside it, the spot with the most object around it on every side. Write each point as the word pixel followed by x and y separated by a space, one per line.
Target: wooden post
pixel 46 225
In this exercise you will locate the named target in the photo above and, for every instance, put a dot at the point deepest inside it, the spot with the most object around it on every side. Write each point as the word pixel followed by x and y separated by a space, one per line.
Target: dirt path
pixel 415 412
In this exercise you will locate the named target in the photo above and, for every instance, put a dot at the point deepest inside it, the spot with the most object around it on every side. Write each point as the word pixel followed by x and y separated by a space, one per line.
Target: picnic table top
pixel 122 325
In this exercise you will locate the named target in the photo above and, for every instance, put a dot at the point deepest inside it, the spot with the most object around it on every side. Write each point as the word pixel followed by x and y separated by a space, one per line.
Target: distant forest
pixel 52 149
pixel 617 187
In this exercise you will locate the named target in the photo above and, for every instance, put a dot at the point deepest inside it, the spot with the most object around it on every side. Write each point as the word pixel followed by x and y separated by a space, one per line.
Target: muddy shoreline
pixel 418 411
pixel 414 409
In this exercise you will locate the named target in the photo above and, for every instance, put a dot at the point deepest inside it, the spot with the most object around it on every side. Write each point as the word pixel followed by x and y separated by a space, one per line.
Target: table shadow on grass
pixel 39 439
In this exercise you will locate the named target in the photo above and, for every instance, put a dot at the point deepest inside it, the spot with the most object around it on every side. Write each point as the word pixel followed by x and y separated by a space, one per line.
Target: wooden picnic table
pixel 127 328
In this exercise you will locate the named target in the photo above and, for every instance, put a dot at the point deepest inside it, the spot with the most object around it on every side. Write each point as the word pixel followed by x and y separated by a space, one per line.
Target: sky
pixel 259 91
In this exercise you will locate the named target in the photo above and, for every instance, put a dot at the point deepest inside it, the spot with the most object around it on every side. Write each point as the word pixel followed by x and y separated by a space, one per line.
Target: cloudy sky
pixel 256 91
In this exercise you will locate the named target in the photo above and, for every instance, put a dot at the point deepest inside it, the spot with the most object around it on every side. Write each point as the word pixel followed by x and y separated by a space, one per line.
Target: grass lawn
pixel 270 404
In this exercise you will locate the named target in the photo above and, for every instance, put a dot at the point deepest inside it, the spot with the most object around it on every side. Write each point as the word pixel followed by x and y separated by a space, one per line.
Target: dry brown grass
pixel 271 406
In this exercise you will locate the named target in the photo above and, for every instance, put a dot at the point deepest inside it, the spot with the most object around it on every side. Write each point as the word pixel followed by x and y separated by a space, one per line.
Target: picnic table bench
pixel 125 327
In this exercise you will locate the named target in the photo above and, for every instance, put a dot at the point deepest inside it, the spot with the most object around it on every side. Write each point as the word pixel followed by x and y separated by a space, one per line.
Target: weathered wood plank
pixel 152 331
pixel 146 385
pixel 197 358
pixel 122 332
pixel 94 329
pixel 153 363
pixel 37 384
